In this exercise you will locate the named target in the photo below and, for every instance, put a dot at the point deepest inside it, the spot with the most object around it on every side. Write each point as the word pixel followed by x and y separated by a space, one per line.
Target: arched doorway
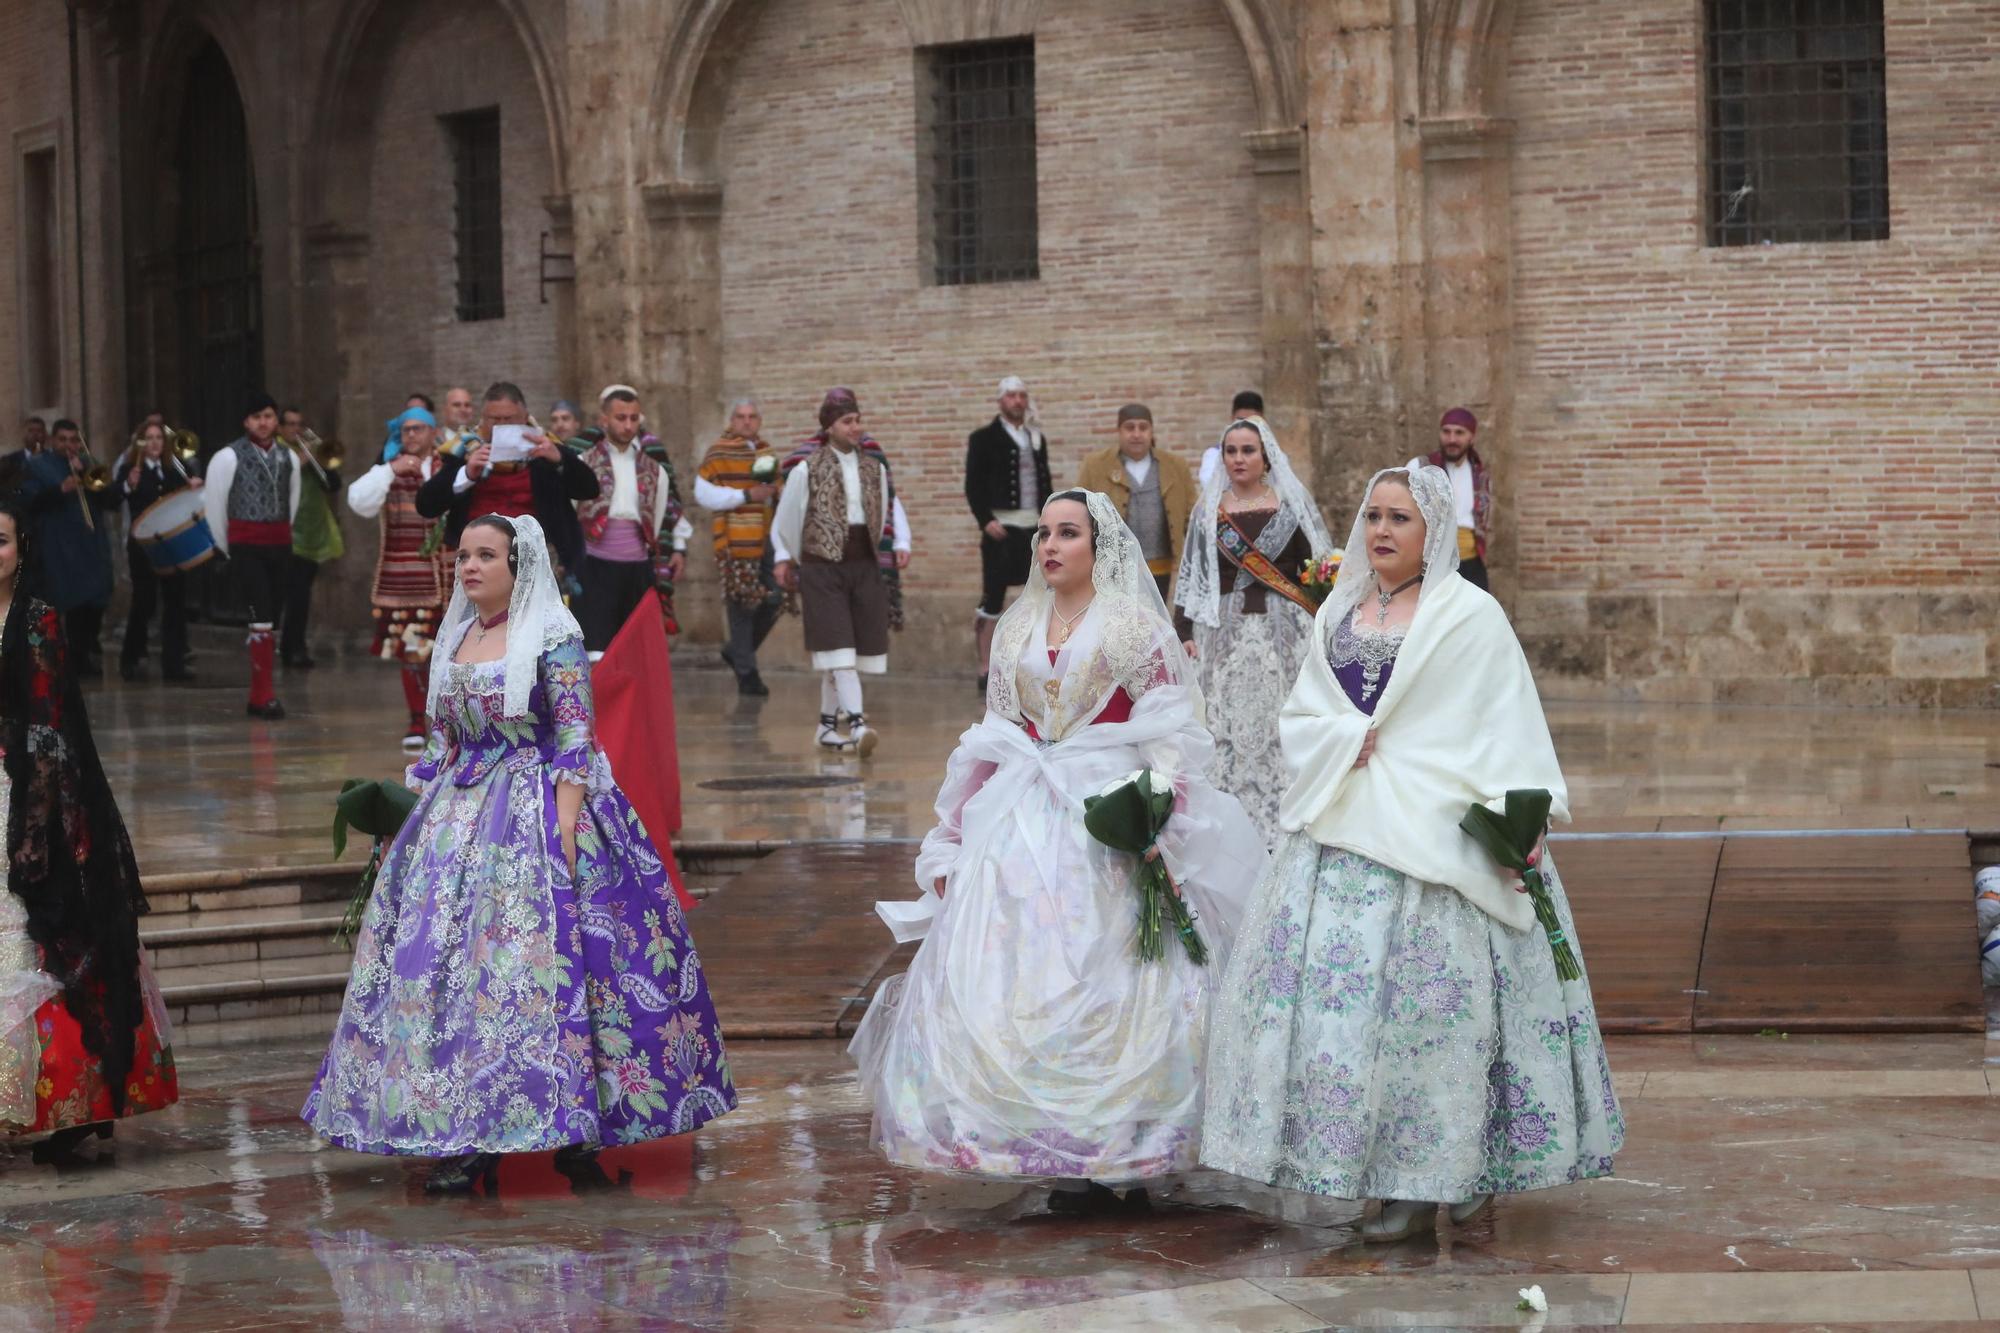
pixel 218 340
pixel 217 293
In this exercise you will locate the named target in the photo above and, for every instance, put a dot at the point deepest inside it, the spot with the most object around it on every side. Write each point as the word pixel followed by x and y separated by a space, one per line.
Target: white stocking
pixel 847 682
pixel 829 698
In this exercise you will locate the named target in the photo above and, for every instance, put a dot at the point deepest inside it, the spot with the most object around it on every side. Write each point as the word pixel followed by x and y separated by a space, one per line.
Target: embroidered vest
pixel 826 503
pixel 596 514
pixel 1146 515
pixel 262 489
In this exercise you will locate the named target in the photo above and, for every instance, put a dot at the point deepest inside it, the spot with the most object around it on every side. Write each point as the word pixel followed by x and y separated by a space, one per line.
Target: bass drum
pixel 174 532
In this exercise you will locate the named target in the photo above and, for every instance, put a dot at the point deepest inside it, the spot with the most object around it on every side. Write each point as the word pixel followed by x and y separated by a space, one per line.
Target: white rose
pixel 1156 781
pixel 1533 1299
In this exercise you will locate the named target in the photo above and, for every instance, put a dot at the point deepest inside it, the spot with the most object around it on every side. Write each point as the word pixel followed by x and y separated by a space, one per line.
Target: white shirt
pixel 624 481
pixel 1019 434
pixel 1137 469
pixel 370 490
pixel 1461 489
pixel 850 482
pixel 1211 462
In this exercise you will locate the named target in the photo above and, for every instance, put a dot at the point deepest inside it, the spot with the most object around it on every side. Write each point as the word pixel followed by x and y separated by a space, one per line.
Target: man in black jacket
pixel 547 485
pixel 1006 484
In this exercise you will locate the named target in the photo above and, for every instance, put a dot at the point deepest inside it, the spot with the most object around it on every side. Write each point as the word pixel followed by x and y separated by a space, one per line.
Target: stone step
pixel 254 961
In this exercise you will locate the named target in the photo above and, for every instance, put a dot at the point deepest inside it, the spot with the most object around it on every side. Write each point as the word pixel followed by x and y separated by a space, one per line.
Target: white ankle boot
pixel 1399 1219
pixel 1471 1208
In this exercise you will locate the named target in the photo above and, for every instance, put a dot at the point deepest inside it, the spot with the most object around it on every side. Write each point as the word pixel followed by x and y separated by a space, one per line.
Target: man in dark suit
pixel 1006 484
pixel 547 485
pixel 72 527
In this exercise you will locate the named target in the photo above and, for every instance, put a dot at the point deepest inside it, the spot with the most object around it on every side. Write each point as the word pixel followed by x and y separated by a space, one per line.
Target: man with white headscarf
pixel 1006 480
pixel 633 523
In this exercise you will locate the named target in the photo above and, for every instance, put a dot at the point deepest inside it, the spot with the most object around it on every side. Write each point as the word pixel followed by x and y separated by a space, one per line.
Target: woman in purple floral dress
pixel 524 979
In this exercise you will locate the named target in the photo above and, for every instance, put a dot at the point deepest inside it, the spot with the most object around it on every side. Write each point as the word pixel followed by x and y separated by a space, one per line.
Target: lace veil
pixel 1198 591
pixel 537 621
pixel 1125 639
pixel 1431 489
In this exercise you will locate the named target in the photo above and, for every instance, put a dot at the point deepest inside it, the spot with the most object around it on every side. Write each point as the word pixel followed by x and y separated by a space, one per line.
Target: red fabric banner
pixel 634 686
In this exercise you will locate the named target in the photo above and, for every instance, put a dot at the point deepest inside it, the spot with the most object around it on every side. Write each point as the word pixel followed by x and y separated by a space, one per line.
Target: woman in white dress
pixel 1392 1025
pixel 1027 1039
pixel 1243 616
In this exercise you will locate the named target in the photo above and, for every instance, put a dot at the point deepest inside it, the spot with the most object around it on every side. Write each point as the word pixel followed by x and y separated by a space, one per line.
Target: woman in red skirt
pixel 83 1034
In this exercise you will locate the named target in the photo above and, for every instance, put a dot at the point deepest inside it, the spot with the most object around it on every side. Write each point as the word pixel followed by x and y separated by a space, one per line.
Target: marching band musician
pixel 145 476
pixel 69 509
pixel 253 497
pixel 315 538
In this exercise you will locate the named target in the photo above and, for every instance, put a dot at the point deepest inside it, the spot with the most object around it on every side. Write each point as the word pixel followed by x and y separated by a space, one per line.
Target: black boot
pixel 59 1148
pixel 457 1175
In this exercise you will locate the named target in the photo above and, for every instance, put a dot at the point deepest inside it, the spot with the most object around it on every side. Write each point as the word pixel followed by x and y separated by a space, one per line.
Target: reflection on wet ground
pixel 1802 1181
pixel 204 789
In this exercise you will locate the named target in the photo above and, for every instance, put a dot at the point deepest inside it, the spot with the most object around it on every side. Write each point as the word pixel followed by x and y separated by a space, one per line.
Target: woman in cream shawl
pixel 1028 1039
pixel 1391 1025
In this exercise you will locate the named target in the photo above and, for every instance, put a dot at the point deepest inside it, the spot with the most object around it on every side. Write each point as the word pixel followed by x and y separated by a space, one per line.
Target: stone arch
pixel 164 68
pixel 340 134
pixel 1464 52
pixel 1261 25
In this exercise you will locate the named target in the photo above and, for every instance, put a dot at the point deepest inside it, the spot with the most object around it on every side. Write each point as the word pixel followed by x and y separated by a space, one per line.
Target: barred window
pixel 979 130
pixel 475 175
pixel 40 307
pixel 1798 144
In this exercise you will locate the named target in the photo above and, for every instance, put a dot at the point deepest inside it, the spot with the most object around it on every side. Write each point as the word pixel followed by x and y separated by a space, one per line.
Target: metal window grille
pixel 475 172
pixel 1798 146
pixel 982 162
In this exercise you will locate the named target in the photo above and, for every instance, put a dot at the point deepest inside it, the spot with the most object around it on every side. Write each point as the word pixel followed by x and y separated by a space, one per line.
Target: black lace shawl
pixel 71 861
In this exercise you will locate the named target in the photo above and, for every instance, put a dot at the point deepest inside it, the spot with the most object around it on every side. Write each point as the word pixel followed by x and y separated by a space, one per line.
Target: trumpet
pixel 183 448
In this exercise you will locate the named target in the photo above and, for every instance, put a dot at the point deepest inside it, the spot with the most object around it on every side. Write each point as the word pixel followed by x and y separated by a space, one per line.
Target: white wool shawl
pixel 1459 721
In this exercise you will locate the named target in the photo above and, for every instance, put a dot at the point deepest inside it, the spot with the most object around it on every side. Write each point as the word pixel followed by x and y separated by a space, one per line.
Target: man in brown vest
pixel 832 516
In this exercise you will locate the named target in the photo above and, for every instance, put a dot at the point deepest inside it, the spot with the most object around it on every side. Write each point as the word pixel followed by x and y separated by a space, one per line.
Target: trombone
pixel 93 476
pixel 183 447
pixel 324 455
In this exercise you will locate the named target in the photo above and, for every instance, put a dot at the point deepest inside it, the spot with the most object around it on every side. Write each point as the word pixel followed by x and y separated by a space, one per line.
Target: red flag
pixel 634 685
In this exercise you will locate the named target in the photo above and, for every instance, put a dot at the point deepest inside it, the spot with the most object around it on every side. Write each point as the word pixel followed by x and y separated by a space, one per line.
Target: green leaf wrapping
pixel 1129 819
pixel 377 809
pixel 1509 837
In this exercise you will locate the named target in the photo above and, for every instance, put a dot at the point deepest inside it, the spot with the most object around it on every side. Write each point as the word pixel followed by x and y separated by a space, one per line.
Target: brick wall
pixel 456 58
pixel 1149 286
pixel 1759 474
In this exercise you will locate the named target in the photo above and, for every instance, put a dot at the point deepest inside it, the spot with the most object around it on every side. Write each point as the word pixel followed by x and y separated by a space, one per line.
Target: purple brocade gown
pixel 495 1004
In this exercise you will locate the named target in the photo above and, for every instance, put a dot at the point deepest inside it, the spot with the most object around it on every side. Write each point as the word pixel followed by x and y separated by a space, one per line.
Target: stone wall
pixel 34 114
pixel 1756 475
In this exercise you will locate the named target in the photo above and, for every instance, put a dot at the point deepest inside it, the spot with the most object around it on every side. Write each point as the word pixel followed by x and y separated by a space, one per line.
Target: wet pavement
pixel 205 788
pixel 1794 1182
pixel 1774 1181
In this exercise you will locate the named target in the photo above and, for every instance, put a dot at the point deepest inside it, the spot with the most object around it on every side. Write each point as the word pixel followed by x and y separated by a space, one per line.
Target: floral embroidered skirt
pixel 1378 1037
pixel 49 1079
pixel 1246 666
pixel 497 1005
